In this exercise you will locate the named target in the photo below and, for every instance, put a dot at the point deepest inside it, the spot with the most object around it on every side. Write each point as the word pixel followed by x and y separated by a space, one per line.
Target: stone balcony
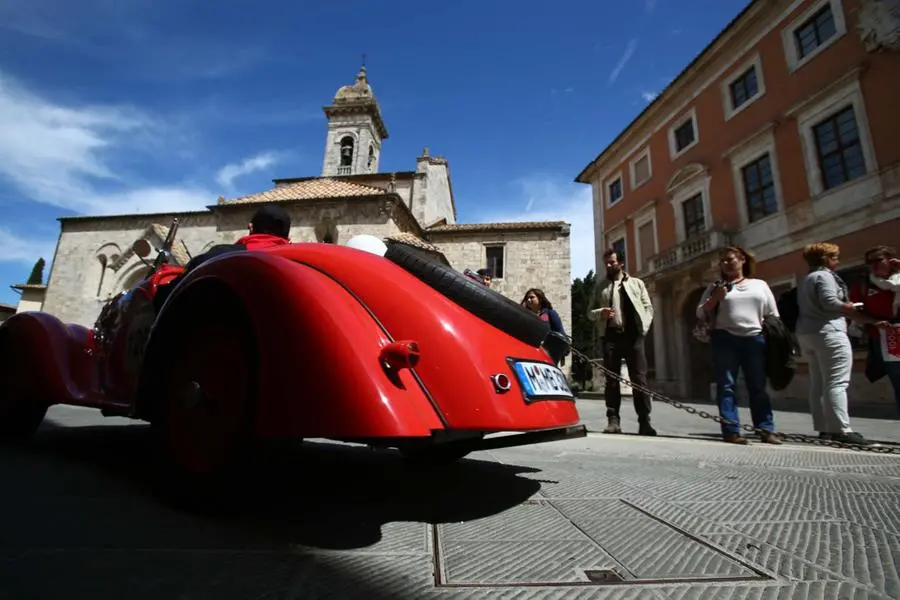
pixel 690 250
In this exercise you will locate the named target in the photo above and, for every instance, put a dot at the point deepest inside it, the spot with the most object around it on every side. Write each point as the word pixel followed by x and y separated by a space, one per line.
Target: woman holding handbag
pixel 733 309
pixel 823 300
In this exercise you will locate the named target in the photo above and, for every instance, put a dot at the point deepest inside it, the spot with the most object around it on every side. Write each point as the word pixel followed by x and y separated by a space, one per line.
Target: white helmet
pixel 368 243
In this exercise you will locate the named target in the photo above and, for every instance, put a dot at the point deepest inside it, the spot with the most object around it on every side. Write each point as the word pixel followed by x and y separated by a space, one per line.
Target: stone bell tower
pixel 355 130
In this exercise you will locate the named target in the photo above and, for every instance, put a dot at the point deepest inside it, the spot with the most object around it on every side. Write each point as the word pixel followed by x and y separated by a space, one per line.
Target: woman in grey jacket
pixel 822 300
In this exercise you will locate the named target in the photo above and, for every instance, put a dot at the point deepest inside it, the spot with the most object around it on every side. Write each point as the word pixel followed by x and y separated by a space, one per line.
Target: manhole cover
pixel 557 542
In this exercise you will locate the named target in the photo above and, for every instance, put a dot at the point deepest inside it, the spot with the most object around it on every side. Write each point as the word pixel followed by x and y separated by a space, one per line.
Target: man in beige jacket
pixel 623 311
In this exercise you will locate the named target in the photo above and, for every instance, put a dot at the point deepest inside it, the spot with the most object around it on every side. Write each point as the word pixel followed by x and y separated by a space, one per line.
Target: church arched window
pixel 346 155
pixel 103 264
pixel 107 255
pixel 371 157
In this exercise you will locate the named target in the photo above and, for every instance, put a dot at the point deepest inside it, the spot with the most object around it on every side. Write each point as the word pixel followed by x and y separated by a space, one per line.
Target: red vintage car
pixel 303 340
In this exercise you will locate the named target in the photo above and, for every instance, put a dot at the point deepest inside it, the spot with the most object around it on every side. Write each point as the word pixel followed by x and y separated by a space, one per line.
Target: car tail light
pixel 502 382
pixel 400 355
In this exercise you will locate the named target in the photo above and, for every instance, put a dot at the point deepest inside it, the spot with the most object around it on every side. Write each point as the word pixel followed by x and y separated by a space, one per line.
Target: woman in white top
pixel 735 307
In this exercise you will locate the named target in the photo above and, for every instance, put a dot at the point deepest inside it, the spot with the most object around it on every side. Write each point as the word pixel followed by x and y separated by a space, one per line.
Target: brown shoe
pixel 734 438
pixel 614 426
pixel 769 438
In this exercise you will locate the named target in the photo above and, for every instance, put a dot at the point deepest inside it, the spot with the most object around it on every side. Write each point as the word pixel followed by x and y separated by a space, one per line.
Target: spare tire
pixel 480 300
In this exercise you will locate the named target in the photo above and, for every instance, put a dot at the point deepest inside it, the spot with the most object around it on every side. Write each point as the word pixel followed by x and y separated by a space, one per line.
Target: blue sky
pixel 122 106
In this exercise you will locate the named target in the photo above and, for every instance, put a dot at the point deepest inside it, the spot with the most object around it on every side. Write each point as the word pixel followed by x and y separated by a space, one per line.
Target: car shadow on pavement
pixel 320 495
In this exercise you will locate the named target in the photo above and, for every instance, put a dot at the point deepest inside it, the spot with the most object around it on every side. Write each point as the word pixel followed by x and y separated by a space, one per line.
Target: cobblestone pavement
pixel 607 517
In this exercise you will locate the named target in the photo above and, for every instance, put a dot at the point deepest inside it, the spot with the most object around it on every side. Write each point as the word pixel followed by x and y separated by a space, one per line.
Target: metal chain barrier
pixel 790 437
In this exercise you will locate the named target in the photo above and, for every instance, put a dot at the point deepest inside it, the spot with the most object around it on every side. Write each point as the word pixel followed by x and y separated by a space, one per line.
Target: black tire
pixel 187 334
pixel 22 406
pixel 480 300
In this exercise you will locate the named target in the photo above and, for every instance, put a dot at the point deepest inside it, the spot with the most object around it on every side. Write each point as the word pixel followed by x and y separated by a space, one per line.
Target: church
pixel 93 260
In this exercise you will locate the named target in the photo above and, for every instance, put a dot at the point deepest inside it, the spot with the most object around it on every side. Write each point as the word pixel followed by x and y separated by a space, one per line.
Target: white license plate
pixel 542 381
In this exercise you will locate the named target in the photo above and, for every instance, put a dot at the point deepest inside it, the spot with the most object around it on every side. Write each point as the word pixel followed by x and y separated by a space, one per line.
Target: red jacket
pixel 877 303
pixel 258 241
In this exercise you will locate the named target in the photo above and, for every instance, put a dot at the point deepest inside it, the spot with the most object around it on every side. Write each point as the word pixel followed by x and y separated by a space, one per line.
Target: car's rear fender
pixel 318 351
pixel 63 363
pixel 459 351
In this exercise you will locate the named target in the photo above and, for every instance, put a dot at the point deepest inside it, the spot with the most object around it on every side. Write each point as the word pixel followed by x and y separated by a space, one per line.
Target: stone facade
pixel 534 255
pixel 93 260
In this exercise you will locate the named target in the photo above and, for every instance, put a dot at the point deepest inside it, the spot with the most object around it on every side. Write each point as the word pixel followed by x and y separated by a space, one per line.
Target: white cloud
pixel 548 199
pixel 63 156
pixel 17 249
pixel 626 56
pixel 649 96
pixel 227 174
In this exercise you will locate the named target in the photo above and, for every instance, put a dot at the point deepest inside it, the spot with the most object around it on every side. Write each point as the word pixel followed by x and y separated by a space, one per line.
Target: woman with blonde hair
pixel 824 307
pixel 734 307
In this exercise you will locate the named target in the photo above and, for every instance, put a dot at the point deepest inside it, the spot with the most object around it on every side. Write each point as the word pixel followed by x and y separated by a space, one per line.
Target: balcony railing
pixel 689 250
pixel 343 170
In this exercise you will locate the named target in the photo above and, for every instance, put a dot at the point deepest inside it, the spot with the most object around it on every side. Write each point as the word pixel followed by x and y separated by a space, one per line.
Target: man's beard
pixel 613 273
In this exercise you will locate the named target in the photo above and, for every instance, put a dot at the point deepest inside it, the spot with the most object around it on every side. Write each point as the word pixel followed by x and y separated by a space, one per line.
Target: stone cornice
pixel 365 108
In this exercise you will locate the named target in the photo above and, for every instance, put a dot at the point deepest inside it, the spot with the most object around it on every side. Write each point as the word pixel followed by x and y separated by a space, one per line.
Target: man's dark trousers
pixel 618 344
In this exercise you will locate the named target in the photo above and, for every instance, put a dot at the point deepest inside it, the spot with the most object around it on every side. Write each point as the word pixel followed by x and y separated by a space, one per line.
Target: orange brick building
pixel 782 132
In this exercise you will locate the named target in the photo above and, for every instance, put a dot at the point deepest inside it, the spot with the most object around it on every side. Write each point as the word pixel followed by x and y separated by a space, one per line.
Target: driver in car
pixel 270 226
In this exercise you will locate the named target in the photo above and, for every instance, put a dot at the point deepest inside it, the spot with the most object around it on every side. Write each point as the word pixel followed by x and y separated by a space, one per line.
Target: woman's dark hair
pixel 877 253
pixel 749 267
pixel 542 298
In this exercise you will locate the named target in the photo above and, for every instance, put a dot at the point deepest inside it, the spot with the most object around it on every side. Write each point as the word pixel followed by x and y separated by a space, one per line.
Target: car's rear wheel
pixel 21 409
pixel 205 410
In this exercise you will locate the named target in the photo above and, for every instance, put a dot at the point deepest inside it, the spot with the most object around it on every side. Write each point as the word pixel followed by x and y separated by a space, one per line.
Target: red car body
pixel 342 344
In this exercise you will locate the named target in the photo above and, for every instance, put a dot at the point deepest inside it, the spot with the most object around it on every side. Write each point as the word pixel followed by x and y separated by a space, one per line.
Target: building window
pixel 494 260
pixel 744 88
pixel 618 246
pixel 685 135
pixel 694 219
pixel 646 235
pixel 615 191
pixel 838 149
pixel 814 32
pixel 641 169
pixel 759 188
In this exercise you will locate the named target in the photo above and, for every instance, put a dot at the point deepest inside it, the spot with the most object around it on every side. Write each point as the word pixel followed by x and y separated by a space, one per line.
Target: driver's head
pixel 271 219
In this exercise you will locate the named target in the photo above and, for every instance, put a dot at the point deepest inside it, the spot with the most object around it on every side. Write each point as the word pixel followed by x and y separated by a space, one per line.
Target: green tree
pixel 37 273
pixel 582 328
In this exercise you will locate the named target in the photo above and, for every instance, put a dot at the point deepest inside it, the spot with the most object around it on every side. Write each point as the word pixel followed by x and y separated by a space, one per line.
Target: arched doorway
pixel 699 360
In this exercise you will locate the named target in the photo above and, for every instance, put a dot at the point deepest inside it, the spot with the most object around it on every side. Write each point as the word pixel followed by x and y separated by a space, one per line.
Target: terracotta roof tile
pixel 512 226
pixel 324 187
pixel 409 239
pixel 412 240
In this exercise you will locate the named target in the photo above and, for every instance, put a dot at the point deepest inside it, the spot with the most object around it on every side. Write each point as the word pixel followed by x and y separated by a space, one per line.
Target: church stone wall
pixel 538 259
pixel 75 292
pixel 79 284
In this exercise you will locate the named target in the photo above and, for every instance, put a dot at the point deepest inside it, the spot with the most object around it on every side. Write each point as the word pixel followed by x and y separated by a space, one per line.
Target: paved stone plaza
pixel 602 517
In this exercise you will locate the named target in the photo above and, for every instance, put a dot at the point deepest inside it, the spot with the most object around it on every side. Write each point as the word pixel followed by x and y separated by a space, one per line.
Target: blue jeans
pixel 732 354
pixel 876 367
